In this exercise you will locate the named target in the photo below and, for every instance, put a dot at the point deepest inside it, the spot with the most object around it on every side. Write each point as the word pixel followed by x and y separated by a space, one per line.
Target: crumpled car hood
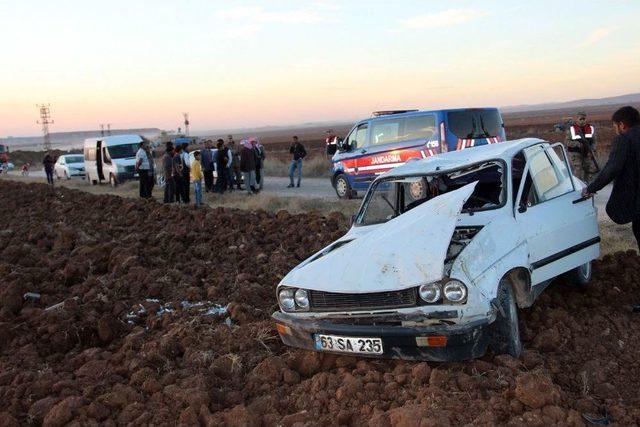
pixel 406 251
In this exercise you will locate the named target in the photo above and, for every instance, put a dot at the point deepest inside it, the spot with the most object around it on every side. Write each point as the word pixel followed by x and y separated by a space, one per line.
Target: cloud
pixel 259 15
pixel 243 22
pixel 596 35
pixel 445 18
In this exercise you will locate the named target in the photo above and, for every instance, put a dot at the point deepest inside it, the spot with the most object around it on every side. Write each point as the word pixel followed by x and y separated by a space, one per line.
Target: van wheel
pixel 343 189
pixel 581 275
pixel 505 332
pixel 112 181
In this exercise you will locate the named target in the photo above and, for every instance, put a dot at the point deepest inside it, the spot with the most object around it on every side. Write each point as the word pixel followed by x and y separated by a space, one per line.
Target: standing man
pixel 298 153
pixel 196 178
pixel 248 165
pixel 221 167
pixel 229 168
pixel 206 161
pixel 167 171
pixel 178 168
pixel 260 156
pixel 581 144
pixel 186 172
pixel 143 167
pixel 48 163
pixel 235 164
pixel 623 168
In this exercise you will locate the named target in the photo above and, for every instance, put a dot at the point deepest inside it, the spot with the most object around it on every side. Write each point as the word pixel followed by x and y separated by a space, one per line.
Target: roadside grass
pixel 316 166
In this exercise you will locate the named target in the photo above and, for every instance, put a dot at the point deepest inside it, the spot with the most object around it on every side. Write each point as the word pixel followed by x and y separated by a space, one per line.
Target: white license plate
pixel 359 345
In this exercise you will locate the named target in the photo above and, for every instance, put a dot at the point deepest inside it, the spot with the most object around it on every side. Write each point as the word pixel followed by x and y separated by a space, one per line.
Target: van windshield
pixel 123 151
pixel 474 124
pixel 392 197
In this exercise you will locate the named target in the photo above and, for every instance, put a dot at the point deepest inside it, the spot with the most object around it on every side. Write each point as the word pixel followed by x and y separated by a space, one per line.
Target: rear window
pixel 474 124
pixel 74 159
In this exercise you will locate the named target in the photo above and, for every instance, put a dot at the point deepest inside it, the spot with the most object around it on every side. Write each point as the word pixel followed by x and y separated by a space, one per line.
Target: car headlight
pixel 455 291
pixel 286 300
pixel 302 299
pixel 430 292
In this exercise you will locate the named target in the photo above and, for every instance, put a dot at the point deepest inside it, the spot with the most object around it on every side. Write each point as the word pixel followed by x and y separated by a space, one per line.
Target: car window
pixel 419 127
pixel 358 137
pixel 550 179
pixel 389 198
pixel 385 131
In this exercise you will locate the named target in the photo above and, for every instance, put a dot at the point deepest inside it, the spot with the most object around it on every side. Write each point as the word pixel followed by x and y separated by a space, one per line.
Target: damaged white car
pixel 442 253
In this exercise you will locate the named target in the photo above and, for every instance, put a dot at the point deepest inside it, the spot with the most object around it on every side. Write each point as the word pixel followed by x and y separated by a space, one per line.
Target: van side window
pixel 90 154
pixel 419 127
pixel 358 137
pixel 386 131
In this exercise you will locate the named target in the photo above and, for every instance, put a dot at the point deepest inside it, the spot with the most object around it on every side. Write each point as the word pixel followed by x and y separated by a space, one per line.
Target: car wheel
pixel 505 332
pixel 581 275
pixel 112 181
pixel 343 189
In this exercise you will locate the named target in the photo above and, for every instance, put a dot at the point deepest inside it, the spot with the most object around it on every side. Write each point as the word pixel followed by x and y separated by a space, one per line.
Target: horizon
pixel 263 64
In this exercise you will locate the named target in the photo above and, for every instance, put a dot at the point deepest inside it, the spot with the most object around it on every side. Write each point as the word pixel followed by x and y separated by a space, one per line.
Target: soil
pixel 131 327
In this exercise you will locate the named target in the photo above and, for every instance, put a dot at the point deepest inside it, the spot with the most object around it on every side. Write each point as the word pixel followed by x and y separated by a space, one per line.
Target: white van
pixel 111 158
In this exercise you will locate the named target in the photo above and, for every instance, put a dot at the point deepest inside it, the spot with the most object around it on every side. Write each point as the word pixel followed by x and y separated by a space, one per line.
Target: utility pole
pixel 186 124
pixel 45 121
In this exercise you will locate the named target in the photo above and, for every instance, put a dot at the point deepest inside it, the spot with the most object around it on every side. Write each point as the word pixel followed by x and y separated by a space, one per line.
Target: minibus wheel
pixel 343 189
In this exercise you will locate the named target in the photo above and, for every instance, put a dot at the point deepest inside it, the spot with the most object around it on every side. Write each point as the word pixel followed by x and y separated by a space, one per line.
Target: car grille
pixel 333 301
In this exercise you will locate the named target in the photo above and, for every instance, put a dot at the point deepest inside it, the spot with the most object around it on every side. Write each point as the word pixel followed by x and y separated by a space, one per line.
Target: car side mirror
pixel 342 146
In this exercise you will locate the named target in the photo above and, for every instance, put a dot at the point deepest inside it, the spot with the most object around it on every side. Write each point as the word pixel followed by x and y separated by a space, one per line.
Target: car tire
pixel 112 181
pixel 581 275
pixel 343 189
pixel 505 331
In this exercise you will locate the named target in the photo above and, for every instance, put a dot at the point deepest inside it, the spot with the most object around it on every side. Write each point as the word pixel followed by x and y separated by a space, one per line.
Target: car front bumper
pixel 463 342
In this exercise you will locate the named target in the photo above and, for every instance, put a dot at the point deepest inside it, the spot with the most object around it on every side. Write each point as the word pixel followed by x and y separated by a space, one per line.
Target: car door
pixel 560 227
pixel 358 142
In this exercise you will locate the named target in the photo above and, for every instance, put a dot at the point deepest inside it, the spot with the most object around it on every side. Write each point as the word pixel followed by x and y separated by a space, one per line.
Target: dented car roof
pixel 456 159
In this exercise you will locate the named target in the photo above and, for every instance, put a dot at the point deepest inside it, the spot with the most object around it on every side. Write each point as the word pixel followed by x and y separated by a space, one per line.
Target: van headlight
pixel 292 299
pixel 455 291
pixel 430 292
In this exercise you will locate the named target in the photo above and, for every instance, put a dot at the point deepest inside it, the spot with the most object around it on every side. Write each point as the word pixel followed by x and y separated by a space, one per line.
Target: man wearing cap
pixel 581 145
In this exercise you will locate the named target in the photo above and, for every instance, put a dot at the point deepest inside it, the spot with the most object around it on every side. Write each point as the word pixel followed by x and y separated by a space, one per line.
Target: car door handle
pixel 582 199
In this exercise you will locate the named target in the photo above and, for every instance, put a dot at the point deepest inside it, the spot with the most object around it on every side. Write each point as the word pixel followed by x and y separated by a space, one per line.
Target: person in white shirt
pixel 143 167
pixel 186 172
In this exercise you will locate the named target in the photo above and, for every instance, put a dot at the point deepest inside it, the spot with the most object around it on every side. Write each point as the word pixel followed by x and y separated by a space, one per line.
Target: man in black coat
pixel 623 168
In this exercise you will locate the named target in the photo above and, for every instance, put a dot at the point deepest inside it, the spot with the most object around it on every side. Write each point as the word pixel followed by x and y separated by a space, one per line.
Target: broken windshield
pixel 392 197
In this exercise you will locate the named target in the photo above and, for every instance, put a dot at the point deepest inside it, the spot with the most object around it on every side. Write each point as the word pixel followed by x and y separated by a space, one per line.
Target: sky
pixel 230 64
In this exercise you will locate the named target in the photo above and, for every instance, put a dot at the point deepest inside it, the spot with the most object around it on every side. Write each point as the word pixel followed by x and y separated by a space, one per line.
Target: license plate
pixel 359 345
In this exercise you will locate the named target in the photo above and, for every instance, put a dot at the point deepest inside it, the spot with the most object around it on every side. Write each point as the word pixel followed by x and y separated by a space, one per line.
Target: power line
pixel 45 121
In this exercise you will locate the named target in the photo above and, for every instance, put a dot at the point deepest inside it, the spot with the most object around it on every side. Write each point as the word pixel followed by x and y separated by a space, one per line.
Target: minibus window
pixel 123 151
pixel 385 131
pixel 419 127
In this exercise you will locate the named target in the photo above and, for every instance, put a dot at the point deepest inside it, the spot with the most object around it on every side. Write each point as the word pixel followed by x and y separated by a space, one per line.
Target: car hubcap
pixel 341 186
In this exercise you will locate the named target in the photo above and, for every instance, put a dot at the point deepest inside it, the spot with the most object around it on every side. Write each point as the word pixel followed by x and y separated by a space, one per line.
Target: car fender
pixel 494 252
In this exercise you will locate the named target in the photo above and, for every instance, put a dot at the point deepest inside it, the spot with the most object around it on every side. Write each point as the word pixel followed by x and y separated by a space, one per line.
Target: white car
pixel 442 253
pixel 68 166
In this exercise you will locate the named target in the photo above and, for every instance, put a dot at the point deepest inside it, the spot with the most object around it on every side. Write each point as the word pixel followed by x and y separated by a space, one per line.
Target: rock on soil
pixel 94 258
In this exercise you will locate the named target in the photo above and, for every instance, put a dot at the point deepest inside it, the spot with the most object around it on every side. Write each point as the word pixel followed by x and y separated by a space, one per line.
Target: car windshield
pixel 392 197
pixel 123 151
pixel 474 124
pixel 75 159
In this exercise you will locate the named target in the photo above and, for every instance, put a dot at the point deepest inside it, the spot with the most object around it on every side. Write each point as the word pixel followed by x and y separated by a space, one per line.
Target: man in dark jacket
pixel 298 153
pixel 248 165
pixel 206 161
pixel 167 171
pixel 178 168
pixel 48 163
pixel 221 167
pixel 623 168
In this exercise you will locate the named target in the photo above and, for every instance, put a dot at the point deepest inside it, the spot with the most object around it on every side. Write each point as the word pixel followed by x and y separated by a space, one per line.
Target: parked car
pixel 391 138
pixel 68 166
pixel 442 253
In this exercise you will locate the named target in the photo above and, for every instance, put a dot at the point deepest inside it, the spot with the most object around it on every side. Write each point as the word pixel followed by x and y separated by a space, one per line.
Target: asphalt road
pixel 321 188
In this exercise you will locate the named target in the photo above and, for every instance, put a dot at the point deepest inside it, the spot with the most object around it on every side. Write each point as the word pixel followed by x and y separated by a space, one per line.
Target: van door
pixel 357 143
pixel 99 160
pixel 561 229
